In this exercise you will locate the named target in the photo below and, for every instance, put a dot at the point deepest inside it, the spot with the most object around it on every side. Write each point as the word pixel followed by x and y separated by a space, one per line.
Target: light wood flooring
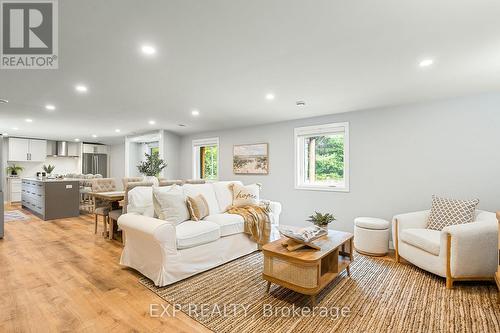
pixel 58 276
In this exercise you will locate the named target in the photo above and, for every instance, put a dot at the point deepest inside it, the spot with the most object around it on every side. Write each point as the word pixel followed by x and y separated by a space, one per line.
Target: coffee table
pixel 308 271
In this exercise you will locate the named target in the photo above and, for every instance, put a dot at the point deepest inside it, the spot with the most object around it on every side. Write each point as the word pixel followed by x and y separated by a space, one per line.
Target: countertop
pixel 46 180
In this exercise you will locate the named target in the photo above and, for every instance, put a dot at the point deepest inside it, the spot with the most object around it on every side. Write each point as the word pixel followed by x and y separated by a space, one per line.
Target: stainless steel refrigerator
pixel 2 182
pixel 95 164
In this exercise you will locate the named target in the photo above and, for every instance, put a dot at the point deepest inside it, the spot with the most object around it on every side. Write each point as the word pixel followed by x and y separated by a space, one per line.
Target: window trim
pixel 299 133
pixel 203 143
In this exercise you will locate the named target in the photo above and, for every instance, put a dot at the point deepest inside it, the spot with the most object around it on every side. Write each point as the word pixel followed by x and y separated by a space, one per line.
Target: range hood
pixel 58 149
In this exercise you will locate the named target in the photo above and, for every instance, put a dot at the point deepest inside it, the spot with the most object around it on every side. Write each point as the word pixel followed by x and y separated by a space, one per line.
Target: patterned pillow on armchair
pixel 445 212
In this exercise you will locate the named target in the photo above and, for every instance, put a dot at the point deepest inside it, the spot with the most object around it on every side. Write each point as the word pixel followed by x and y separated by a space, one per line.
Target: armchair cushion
pixel 425 239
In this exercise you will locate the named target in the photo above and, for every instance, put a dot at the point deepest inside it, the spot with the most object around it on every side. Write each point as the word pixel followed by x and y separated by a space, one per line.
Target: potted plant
pixel 48 169
pixel 152 165
pixel 13 169
pixel 321 220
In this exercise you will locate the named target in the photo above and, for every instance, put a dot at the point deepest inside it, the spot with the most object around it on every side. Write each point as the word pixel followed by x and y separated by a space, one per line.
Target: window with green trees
pixel 206 158
pixel 322 157
pixel 208 162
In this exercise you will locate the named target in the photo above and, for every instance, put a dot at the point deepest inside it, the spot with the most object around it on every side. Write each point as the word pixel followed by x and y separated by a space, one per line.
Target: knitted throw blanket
pixel 257 221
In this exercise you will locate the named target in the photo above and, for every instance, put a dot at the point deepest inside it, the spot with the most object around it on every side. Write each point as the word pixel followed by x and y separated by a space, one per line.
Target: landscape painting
pixel 251 159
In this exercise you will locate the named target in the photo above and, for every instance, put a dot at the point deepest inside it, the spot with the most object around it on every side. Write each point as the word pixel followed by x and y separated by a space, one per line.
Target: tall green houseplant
pixel 152 165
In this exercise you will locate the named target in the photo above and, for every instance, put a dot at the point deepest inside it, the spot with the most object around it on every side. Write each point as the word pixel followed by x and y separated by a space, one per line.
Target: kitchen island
pixel 51 199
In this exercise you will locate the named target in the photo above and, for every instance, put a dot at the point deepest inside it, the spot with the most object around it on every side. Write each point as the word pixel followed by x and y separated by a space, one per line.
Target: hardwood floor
pixel 58 276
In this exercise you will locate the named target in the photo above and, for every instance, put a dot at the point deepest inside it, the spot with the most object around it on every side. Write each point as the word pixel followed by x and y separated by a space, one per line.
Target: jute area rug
pixel 380 296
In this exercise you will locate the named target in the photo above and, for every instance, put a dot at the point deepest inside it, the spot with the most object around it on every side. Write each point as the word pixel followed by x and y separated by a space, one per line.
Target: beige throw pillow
pixel 198 207
pixel 170 204
pixel 244 195
pixel 445 212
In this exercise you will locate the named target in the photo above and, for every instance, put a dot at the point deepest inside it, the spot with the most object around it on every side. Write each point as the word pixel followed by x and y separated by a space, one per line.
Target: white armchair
pixel 458 252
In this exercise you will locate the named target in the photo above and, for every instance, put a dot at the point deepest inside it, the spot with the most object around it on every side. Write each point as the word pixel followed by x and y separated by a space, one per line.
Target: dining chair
pixel 100 207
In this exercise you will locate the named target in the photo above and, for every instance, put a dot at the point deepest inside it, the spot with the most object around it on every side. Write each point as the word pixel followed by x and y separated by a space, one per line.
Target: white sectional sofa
pixel 167 253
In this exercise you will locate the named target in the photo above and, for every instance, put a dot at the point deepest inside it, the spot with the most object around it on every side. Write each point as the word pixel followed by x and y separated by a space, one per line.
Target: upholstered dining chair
pixel 102 208
pixel 127 180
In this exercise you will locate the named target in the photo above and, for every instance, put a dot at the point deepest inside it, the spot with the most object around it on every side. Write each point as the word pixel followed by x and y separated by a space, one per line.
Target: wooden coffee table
pixel 305 270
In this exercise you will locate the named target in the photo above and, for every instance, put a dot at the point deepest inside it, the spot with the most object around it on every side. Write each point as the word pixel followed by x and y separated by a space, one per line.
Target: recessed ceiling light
pixel 426 62
pixel 152 122
pixel 117 130
pixel 81 88
pixel 94 135
pixel 300 103
pixel 50 107
pixel 28 120
pixel 269 97
pixel 77 140
pixel 15 128
pixel 3 101
pixel 195 113
pixel 148 49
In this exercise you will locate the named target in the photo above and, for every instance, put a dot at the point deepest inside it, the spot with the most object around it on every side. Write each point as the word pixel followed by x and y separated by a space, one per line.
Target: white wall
pixel 169 151
pixel 399 157
pixel 171 154
pixel 117 163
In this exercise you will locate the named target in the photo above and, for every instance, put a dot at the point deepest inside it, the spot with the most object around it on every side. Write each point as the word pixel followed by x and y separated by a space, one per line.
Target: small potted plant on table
pixel 321 220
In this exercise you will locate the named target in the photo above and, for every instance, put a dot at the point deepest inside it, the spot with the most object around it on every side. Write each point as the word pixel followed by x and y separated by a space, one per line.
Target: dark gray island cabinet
pixel 51 199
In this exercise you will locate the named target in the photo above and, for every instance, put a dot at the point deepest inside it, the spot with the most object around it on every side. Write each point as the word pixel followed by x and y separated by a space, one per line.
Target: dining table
pixel 115 200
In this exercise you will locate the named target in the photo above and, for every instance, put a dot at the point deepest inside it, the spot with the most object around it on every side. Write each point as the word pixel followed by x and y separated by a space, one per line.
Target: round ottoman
pixel 371 236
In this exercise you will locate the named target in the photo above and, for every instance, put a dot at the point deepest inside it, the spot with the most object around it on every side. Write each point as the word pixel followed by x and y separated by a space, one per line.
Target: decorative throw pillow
pixel 170 204
pixel 198 207
pixel 245 195
pixel 445 212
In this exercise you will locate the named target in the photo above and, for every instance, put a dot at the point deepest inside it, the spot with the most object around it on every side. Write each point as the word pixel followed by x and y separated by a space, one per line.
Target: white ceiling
pixel 223 57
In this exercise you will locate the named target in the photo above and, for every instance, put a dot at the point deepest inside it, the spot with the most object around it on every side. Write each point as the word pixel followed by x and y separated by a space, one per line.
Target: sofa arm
pixel 275 208
pixel 474 248
pixel 148 228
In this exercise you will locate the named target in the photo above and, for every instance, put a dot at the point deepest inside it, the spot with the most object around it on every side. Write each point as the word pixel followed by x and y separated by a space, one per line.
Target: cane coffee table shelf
pixel 308 271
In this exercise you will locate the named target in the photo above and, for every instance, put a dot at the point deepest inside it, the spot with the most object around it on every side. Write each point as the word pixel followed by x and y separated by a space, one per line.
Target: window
pixel 322 157
pixel 206 159
pixel 154 150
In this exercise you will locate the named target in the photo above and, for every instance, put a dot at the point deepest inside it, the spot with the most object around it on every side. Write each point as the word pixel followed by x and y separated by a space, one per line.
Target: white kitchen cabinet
pixel 27 150
pixel 73 149
pixel 95 149
pixel 18 149
pixel 38 150
pixel 14 189
pixel 101 149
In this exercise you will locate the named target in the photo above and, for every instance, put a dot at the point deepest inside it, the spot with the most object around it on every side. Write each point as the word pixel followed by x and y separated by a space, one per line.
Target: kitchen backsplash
pixel 64 165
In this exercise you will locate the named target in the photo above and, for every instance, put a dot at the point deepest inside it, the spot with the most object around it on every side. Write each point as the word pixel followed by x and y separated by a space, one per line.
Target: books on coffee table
pixel 302 235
